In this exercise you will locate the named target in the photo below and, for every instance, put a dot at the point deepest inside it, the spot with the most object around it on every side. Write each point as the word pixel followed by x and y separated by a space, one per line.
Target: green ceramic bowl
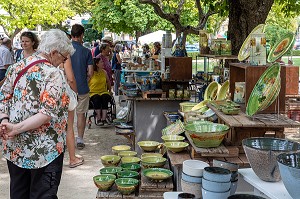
pixel 176 146
pixel 144 155
pixel 118 148
pixel 127 153
pixel 131 166
pixel 128 174
pixel 130 160
pixel 157 174
pixel 148 145
pixel 206 134
pixel 104 181
pixel 230 110
pixel 172 138
pixel 186 106
pixel 110 170
pixel 153 162
pixel 110 160
pixel 126 185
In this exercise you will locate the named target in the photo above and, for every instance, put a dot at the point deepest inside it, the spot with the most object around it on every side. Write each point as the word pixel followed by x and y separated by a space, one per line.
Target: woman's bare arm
pixel 70 75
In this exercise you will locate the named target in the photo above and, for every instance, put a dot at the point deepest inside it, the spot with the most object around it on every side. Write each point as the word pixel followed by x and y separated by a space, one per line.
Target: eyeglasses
pixel 65 58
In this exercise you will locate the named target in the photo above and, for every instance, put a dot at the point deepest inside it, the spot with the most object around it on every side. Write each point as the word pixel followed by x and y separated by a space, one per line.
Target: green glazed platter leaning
pixel 265 90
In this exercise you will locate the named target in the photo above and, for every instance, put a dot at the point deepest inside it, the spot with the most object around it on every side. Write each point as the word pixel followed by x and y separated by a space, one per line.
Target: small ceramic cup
pixel 186 196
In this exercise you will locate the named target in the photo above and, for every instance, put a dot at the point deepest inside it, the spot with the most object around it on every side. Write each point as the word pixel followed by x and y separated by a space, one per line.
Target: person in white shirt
pixel 6 57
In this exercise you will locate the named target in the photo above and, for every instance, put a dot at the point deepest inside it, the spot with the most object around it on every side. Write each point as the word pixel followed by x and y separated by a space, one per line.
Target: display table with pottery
pixel 273 190
pixel 243 126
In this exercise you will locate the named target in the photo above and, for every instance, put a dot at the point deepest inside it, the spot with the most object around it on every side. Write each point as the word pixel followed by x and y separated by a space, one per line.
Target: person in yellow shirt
pixel 100 89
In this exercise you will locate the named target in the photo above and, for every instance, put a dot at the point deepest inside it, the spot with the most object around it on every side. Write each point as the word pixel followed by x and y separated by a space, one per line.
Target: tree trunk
pixel 244 15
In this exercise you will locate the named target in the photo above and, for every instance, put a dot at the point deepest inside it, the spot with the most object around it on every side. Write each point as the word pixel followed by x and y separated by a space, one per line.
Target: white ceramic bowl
pixel 194 167
pixel 193 179
pixel 214 195
pixel 215 186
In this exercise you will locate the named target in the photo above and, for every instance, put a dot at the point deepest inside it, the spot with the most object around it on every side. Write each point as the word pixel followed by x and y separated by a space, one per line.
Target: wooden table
pixel 243 126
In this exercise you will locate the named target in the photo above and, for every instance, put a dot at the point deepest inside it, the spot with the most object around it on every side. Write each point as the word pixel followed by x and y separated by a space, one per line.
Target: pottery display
pixel 224 90
pixel 211 91
pixel 127 153
pixel 119 148
pixel 216 174
pixel 289 167
pixel 194 167
pixel 129 159
pixel 176 147
pixel 110 160
pixel 206 134
pixel 126 185
pixel 265 90
pixel 262 152
pixel 153 162
pixel 110 170
pixel 215 186
pixel 157 174
pixel 214 195
pixel 172 138
pixel 245 50
pixel 200 105
pixel 281 47
pixel 131 166
pixel 104 181
pixel 144 155
pixel 192 179
pixel 148 145
pixel 128 174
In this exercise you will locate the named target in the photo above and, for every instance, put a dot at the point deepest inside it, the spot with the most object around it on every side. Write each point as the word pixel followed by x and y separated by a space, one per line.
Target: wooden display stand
pixel 241 72
pixel 180 67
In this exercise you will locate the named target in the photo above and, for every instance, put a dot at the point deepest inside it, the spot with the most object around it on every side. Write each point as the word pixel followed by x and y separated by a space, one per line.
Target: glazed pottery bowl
pixel 110 160
pixel 172 138
pixel 226 165
pixel 176 147
pixel 127 153
pixel 214 195
pixel 289 167
pixel 126 185
pixel 206 134
pixel 148 145
pixel 194 167
pixel 186 106
pixel 215 186
pixel 153 162
pixel 118 148
pixel 262 152
pixel 216 174
pixel 131 167
pixel 144 155
pixel 233 187
pixel 191 179
pixel 104 181
pixel 157 174
pixel 128 174
pixel 193 188
pixel 244 196
pixel 211 91
pixel 130 160
pixel 110 170
pixel 186 196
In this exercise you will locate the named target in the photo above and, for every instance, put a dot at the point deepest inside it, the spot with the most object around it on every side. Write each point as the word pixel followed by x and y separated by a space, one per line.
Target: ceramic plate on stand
pixel 222 95
pixel 265 90
pixel 244 52
pixel 281 47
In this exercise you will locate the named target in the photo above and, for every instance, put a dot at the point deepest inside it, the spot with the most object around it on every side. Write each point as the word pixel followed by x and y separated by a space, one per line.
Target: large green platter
pixel 211 91
pixel 222 94
pixel 265 90
pixel 244 52
pixel 281 47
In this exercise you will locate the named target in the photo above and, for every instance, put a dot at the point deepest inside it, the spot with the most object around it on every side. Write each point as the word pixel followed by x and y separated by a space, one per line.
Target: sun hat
pixel 107 38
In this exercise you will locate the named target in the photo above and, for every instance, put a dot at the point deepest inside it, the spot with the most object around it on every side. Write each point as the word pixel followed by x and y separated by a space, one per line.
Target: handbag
pixel 72 95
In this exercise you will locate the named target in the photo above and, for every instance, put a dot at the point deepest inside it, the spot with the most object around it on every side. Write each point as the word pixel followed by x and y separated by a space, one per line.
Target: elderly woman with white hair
pixel 116 67
pixel 33 118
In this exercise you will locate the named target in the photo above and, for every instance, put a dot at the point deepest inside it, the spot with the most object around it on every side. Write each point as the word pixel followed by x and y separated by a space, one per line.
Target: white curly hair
pixel 55 39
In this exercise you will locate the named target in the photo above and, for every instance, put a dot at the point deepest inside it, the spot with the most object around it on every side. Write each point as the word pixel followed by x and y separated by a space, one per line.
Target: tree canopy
pixel 29 13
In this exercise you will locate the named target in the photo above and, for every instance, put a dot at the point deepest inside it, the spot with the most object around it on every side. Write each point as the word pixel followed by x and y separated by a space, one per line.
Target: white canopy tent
pixel 153 37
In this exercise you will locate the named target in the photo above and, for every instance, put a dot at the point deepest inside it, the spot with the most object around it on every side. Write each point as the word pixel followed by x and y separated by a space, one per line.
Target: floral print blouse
pixel 40 90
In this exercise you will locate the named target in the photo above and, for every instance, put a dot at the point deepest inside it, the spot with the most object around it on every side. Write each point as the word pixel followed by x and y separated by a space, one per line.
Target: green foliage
pixel 296 53
pixel 127 16
pixel 91 34
pixel 193 55
pixel 274 33
pixel 29 13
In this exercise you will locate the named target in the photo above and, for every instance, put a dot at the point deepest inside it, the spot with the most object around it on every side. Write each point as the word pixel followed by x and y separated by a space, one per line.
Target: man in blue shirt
pixel 6 57
pixel 82 64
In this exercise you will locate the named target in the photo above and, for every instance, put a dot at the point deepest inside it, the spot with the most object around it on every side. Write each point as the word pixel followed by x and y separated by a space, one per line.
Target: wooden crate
pixel 180 68
pixel 291 80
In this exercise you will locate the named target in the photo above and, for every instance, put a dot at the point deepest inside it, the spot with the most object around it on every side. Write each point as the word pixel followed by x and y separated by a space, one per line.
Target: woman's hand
pixel 8 130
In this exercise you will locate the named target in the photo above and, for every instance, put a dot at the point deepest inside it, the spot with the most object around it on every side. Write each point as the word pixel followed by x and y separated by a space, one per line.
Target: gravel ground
pixel 77 182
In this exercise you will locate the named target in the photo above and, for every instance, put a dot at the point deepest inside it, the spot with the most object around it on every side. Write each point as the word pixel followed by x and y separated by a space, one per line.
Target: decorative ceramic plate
pixel 265 90
pixel 222 95
pixel 281 47
pixel 244 52
pixel 211 91
pixel 200 105
pixel 173 129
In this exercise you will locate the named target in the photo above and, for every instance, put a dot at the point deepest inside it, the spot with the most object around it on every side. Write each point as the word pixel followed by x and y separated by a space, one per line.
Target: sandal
pixel 80 145
pixel 81 160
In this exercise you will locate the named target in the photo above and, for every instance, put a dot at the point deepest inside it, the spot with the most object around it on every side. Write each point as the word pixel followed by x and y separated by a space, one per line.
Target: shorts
pixel 83 103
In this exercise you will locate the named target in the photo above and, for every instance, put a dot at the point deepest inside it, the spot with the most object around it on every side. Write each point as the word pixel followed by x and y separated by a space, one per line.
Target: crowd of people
pixel 35 120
